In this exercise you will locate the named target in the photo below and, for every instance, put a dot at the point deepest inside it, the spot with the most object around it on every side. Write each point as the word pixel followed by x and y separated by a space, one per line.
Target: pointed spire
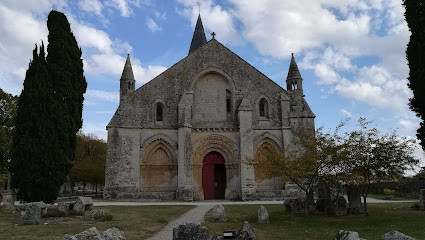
pixel 198 38
pixel 294 78
pixel 127 72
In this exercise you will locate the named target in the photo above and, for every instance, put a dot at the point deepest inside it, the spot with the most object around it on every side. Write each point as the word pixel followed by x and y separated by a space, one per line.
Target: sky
pixel 351 53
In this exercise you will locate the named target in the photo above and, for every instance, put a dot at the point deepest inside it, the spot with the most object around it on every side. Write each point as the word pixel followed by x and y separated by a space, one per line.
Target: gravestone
pixel 354 201
pixel 31 213
pixel 245 232
pixel 83 204
pixel 422 200
pixel 93 234
pixel 96 213
pixel 8 200
pixel 347 235
pixel 65 206
pixel 191 231
pixel 263 215
pixel 218 213
pixel 394 235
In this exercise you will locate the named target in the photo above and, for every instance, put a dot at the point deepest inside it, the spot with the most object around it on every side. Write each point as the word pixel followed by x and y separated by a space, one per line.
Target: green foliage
pixel 388 191
pixel 8 104
pixel 49 115
pixel 359 158
pixel 90 160
pixel 415 17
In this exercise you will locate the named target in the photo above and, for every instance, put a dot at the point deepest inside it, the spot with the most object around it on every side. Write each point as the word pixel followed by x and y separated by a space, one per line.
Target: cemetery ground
pixel 383 218
pixel 141 222
pixel 137 222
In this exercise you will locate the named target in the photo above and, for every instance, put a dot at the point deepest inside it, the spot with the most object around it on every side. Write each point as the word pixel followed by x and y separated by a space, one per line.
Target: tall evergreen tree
pixel 31 165
pixel 415 17
pixel 49 115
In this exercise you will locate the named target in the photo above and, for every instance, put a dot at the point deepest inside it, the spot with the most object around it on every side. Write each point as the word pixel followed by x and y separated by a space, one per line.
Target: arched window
pixel 228 101
pixel 159 112
pixel 263 108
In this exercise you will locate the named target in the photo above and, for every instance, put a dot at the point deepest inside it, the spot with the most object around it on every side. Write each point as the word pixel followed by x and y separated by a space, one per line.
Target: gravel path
pixel 195 215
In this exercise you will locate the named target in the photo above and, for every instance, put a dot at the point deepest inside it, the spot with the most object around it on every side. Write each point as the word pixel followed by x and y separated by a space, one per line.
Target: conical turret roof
pixel 293 70
pixel 127 72
pixel 198 38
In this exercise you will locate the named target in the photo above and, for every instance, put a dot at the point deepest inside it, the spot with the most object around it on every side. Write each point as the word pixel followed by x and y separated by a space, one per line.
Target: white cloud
pixel 160 16
pixel 102 95
pixel 96 128
pixel 19 32
pixel 94 6
pixel 376 87
pixel 214 19
pixel 345 113
pixel 152 25
pixel 326 74
pixel 409 125
pixel 125 6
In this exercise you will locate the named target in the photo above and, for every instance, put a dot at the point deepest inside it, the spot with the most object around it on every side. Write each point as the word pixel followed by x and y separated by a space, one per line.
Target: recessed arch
pixel 226 148
pixel 217 71
pixel 262 181
pixel 158 167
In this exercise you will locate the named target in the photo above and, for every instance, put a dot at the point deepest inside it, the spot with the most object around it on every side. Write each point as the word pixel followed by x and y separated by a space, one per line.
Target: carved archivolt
pixel 158 166
pixel 213 70
pixel 166 139
pixel 217 143
pixel 262 146
pixel 267 137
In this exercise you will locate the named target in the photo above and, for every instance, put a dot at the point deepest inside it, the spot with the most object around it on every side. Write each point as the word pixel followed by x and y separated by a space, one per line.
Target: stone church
pixel 187 133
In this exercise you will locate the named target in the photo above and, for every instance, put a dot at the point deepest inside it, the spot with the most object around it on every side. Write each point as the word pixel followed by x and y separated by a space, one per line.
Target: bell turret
pixel 127 82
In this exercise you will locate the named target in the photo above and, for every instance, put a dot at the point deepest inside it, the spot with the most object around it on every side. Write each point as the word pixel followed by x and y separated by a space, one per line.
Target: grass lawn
pixel 382 219
pixel 137 222
pixel 396 198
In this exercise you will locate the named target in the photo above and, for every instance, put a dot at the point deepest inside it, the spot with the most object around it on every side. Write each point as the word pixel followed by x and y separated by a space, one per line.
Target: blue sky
pixel 351 53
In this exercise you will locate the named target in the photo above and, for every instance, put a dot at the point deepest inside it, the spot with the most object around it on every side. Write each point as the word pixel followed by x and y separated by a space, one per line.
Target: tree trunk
pixel 365 206
pixel 96 189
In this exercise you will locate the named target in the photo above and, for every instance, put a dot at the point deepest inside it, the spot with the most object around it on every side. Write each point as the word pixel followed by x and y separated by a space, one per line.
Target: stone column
pixel 184 181
pixel 246 149
pixel 286 126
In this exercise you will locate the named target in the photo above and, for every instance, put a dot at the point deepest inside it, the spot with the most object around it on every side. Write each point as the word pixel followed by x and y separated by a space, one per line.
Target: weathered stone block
pixel 31 214
pixel 245 232
pixel 422 200
pixel 263 215
pixel 8 200
pixel 394 235
pixel 83 204
pixel 347 235
pixel 93 234
pixel 218 213
pixel 97 213
pixel 191 231
pixel 113 234
pixel 65 206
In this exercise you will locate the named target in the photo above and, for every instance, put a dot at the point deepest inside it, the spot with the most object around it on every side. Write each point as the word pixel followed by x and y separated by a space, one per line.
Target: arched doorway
pixel 214 176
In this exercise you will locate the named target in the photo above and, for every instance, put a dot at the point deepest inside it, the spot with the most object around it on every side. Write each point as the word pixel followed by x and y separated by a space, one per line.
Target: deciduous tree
pixel 376 157
pixel 90 160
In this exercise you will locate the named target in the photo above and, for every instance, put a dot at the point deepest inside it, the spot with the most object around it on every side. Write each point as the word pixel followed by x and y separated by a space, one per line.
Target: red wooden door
pixel 208 173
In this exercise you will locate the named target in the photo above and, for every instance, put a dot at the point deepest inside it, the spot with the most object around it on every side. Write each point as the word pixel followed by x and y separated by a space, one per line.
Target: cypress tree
pixel 49 115
pixel 415 17
pixel 31 155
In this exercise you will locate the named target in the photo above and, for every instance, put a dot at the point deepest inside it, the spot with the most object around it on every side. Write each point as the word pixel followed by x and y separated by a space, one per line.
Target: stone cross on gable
pixel 199 6
pixel 213 35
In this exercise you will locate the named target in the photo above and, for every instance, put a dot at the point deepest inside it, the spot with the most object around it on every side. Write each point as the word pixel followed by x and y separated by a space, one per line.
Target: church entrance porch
pixel 213 176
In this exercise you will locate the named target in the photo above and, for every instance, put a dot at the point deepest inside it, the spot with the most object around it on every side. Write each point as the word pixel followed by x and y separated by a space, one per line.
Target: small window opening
pixel 159 112
pixel 228 101
pixel 263 108
pixel 128 85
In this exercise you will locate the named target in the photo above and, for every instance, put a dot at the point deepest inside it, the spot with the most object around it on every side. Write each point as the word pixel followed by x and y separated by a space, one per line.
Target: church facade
pixel 187 134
